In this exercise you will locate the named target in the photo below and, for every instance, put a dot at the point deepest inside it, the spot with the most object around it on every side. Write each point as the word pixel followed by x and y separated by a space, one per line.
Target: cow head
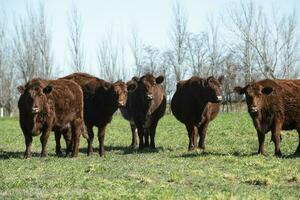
pixel 35 94
pixel 254 95
pixel 120 90
pixel 214 87
pixel 146 85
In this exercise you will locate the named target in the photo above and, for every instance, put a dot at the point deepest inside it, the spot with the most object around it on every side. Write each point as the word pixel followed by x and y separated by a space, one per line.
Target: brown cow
pixel 273 105
pixel 127 112
pixel 101 100
pixel 196 103
pixel 46 105
pixel 146 104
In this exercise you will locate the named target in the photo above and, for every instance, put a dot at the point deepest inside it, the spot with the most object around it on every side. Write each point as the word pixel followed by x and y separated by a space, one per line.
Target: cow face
pixel 35 96
pixel 148 84
pixel 254 96
pixel 120 89
pixel 214 87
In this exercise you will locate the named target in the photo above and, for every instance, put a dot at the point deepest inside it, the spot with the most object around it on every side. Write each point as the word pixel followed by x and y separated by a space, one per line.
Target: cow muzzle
pixel 219 98
pixel 121 103
pixel 253 109
pixel 149 96
pixel 35 110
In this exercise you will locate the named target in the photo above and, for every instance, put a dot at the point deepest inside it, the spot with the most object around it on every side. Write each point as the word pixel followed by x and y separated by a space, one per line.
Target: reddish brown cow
pixel 46 105
pixel 273 105
pixel 145 106
pixel 101 100
pixel 196 103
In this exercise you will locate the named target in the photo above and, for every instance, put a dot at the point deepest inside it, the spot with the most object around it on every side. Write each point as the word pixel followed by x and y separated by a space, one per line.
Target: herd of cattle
pixel 76 103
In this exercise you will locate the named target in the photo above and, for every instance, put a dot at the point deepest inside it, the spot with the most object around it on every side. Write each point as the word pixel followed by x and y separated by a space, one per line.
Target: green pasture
pixel 227 169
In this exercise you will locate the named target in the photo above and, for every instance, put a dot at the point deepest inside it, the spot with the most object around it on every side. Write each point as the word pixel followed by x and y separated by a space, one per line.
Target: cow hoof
pixel 102 154
pixel 27 156
pixel 59 154
pixel 133 146
pixel 191 148
pixel 297 153
pixel 89 153
pixel 278 154
pixel 201 147
pixel 44 155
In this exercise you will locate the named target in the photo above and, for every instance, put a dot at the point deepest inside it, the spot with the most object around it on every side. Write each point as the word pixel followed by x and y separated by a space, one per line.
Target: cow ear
pixel 267 90
pixel 21 89
pixel 131 86
pixel 220 79
pixel 159 79
pixel 107 86
pixel 135 78
pixel 47 89
pixel 239 90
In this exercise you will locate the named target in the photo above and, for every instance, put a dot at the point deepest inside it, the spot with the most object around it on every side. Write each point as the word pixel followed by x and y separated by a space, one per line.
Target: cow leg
pixel 76 127
pixel 67 134
pixel 57 141
pixel 28 143
pixel 134 135
pixel 195 136
pixel 101 136
pixel 190 130
pixel 44 140
pixel 261 142
pixel 90 140
pixel 147 135
pixel 276 138
pixel 297 152
pixel 152 134
pixel 141 136
pixel 202 132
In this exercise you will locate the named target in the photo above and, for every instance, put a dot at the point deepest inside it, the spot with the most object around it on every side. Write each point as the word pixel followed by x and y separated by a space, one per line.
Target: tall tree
pixel 75 41
pixel 32 44
pixel 178 39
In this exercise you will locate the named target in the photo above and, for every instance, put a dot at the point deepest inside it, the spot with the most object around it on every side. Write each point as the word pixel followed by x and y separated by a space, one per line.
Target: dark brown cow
pixel 273 105
pixel 127 112
pixel 46 105
pixel 196 103
pixel 146 104
pixel 101 100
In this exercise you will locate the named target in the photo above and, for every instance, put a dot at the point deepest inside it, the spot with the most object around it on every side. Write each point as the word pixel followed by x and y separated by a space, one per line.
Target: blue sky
pixel 151 18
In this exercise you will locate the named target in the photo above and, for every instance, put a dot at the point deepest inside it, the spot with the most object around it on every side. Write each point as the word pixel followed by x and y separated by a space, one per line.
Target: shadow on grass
pixel 193 154
pixel 124 150
pixel 20 154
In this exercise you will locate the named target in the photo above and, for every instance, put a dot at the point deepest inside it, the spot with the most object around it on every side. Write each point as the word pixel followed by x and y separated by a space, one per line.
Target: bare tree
pixel 136 47
pixel 44 41
pixel 32 45
pixel 75 42
pixel 242 26
pixel 215 47
pixel 111 58
pixel 178 38
pixel 291 46
pixel 7 74
pixel 197 54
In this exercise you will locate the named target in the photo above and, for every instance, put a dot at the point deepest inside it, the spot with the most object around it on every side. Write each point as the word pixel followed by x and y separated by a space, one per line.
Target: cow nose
pixel 253 109
pixel 219 98
pixel 149 96
pixel 121 104
pixel 35 110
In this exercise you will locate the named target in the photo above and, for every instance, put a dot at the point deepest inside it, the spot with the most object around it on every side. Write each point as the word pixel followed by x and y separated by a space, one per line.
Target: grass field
pixel 226 170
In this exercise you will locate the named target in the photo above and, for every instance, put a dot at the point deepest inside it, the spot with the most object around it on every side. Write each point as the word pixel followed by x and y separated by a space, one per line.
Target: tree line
pixel 246 43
